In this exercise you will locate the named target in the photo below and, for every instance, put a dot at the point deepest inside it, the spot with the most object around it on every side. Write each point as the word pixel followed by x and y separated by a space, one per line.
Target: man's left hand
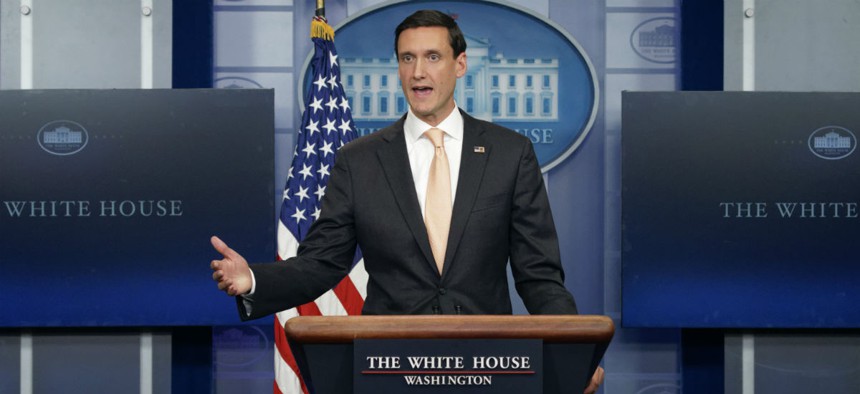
pixel 596 381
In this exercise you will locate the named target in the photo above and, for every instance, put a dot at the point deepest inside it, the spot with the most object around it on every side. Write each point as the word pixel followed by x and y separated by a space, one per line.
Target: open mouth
pixel 422 90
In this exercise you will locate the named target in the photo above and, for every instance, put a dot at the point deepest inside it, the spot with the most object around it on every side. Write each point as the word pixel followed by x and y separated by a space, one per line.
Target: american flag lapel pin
pixel 479 149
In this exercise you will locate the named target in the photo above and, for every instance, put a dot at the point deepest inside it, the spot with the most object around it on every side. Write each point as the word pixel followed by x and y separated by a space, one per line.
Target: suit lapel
pixel 472 164
pixel 395 164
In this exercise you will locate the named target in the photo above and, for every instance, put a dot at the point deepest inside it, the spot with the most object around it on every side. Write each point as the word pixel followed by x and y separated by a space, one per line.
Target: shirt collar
pixel 415 128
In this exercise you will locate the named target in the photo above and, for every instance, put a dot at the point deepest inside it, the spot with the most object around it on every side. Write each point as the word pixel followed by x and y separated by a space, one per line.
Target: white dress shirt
pixel 421 151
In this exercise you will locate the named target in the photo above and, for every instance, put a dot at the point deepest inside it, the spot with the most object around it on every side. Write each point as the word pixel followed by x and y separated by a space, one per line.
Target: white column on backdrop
pixel 26 9
pixel 26 376
pixel 147 69
pixel 748 84
pixel 748 45
pixel 147 13
pixel 146 374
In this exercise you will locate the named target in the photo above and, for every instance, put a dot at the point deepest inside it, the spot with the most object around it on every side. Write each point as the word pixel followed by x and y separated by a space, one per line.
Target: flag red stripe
pixel 349 296
pixel 309 309
pixel 286 354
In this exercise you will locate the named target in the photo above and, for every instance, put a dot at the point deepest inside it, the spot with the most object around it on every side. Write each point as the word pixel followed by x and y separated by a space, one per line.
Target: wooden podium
pixel 572 345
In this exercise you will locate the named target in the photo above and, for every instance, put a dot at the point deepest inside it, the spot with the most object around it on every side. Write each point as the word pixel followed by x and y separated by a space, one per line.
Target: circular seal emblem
pixel 62 137
pixel 524 72
pixel 237 83
pixel 239 345
pixel 832 142
pixel 655 40
pixel 660 388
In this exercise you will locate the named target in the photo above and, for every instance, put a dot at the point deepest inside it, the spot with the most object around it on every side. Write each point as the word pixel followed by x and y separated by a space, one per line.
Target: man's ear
pixel 461 64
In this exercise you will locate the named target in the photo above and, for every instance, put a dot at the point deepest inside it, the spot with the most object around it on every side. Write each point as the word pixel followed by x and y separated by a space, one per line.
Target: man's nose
pixel 418 71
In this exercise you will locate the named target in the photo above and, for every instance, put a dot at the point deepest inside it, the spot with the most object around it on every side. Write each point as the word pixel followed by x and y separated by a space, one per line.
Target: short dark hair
pixel 433 18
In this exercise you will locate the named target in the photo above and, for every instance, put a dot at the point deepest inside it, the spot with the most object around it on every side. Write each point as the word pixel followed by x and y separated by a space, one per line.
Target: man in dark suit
pixel 377 194
pixel 500 212
pixel 384 196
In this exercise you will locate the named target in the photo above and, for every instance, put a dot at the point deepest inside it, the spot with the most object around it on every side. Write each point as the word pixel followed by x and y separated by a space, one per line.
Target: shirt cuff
pixel 253 284
pixel 248 299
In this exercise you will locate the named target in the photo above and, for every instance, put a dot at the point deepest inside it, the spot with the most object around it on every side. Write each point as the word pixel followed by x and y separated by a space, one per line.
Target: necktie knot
pixel 436 136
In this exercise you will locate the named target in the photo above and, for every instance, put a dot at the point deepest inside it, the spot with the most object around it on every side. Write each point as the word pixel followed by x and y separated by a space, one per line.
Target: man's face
pixel 429 71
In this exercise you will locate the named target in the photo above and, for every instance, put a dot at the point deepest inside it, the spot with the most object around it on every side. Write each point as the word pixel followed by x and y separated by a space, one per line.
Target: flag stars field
pixel 326 148
pixel 310 149
pixel 302 194
pixel 331 104
pixel 317 106
pixel 299 215
pixel 344 128
pixel 320 83
pixel 329 126
pixel 306 171
pixel 313 127
pixel 323 171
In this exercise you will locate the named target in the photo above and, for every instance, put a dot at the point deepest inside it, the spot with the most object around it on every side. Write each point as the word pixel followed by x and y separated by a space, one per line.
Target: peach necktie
pixel 437 209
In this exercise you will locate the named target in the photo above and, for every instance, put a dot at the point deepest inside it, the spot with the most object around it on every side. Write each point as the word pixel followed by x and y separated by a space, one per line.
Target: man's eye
pixel 434 58
pixel 406 59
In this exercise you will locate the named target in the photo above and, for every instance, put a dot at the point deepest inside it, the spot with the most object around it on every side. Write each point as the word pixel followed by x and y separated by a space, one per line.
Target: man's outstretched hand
pixel 231 272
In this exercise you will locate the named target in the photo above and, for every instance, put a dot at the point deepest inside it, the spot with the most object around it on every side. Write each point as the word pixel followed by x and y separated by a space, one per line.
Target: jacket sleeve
pixel 324 257
pixel 534 251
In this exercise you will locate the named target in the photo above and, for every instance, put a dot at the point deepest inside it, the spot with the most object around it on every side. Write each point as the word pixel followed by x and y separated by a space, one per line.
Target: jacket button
pixel 442 291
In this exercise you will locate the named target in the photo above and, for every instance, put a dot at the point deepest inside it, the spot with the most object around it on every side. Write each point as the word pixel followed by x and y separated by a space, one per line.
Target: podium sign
pixel 397 354
pixel 499 366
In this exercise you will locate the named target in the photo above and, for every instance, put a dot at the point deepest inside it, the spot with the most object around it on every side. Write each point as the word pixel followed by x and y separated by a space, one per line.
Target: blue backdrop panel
pixel 740 209
pixel 109 198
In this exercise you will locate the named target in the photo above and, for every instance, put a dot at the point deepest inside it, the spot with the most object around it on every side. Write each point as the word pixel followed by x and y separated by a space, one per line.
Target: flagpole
pixel 320 9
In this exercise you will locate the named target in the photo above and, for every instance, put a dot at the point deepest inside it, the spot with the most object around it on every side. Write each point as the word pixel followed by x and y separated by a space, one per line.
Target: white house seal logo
pixel 237 83
pixel 832 142
pixel 656 40
pixel 524 72
pixel 62 137
pixel 239 345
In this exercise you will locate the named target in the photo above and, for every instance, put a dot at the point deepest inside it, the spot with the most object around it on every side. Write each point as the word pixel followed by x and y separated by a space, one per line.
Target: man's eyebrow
pixel 427 52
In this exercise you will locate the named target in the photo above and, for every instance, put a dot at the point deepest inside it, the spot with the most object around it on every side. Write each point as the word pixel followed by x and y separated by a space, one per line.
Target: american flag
pixel 326 126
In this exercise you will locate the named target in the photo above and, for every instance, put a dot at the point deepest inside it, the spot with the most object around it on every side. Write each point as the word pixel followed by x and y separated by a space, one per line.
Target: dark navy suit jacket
pixel 501 213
